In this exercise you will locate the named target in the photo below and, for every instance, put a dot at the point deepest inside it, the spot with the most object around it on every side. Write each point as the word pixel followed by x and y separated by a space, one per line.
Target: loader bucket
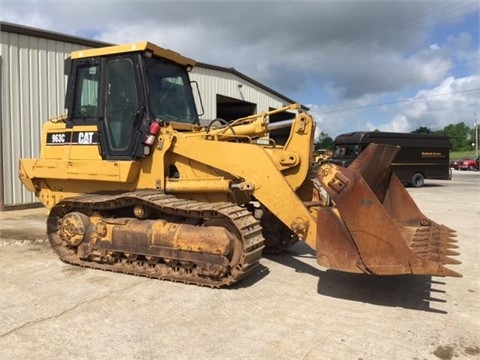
pixel 375 227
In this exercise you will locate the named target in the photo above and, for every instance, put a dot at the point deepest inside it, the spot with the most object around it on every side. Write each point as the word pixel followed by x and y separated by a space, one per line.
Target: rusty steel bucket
pixel 375 227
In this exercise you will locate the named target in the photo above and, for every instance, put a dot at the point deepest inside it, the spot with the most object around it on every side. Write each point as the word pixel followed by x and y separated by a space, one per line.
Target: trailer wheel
pixel 418 180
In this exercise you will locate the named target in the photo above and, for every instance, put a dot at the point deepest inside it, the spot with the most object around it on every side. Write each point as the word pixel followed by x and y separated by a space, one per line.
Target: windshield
pixel 346 150
pixel 169 92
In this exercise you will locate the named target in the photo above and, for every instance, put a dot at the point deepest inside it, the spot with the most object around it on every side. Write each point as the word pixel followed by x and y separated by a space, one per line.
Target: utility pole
pixel 476 134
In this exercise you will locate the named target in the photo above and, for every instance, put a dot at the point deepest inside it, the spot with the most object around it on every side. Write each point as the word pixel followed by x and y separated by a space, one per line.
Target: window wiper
pixel 138 115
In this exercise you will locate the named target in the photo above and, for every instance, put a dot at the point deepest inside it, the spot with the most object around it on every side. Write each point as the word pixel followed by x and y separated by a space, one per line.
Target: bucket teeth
pixel 435 243
pixel 451 246
pixel 443 271
pixel 445 245
pixel 442 259
pixel 449 261
pixel 450 252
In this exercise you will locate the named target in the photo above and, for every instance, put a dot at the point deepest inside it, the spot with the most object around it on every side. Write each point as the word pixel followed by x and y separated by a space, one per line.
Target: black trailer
pixel 421 156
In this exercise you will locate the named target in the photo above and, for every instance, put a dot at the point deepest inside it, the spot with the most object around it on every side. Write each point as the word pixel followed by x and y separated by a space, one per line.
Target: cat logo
pixel 85 138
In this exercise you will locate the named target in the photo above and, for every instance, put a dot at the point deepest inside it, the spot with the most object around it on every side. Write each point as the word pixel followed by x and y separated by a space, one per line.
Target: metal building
pixel 228 94
pixel 32 89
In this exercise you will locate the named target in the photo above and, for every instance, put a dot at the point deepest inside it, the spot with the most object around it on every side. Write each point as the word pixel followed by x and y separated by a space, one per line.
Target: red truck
pixel 467 164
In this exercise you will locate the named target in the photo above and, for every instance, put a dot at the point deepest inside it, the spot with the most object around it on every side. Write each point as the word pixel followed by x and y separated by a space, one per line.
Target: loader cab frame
pixel 122 94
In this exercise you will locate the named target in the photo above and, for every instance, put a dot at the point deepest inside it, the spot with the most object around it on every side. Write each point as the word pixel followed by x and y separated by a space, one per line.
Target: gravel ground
pixel 290 309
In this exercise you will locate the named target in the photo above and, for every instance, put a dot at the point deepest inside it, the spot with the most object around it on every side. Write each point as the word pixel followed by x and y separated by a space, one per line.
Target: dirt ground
pixel 291 308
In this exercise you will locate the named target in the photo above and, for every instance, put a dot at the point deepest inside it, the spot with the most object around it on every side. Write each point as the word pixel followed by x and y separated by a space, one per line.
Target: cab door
pixel 123 110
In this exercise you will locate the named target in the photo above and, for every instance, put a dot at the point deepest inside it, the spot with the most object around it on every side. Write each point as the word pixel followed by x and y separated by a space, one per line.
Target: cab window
pixel 169 92
pixel 121 103
pixel 86 92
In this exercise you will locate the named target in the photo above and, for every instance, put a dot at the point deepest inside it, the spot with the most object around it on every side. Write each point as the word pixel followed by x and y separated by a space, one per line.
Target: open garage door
pixel 230 109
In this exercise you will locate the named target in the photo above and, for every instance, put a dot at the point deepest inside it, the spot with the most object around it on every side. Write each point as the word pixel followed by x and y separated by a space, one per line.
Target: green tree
pixel 460 136
pixel 472 138
pixel 422 130
pixel 324 142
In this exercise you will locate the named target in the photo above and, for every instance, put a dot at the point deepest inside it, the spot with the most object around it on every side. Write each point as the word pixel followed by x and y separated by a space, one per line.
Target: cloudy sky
pixel 359 65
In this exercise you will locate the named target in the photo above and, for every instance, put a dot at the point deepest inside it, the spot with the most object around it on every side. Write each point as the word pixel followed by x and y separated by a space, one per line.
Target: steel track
pixel 252 241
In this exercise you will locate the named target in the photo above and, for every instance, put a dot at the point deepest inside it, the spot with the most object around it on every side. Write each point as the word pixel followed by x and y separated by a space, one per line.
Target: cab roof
pixel 143 46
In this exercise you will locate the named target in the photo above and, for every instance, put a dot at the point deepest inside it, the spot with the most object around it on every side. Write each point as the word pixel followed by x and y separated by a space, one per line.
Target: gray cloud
pixel 356 50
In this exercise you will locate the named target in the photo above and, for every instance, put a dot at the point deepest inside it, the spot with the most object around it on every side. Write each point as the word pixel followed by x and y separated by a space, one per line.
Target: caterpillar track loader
pixel 135 184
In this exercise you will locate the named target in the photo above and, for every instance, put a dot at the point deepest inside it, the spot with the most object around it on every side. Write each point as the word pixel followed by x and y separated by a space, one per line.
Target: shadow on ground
pixel 427 185
pixel 406 291
pixel 251 278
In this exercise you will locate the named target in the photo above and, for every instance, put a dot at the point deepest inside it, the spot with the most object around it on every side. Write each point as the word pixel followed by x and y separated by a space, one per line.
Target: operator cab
pixel 123 90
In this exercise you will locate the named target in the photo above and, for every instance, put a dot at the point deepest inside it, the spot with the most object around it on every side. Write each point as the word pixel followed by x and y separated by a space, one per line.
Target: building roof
pixel 51 35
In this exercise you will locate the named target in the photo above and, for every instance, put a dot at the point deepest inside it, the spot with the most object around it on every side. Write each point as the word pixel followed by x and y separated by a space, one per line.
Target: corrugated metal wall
pixel 214 82
pixel 32 90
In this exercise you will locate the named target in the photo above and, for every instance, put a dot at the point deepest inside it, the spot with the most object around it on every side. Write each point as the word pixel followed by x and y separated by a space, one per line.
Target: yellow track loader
pixel 135 184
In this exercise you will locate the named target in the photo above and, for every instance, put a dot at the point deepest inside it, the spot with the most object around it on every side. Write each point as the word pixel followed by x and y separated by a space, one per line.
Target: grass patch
pixel 459 155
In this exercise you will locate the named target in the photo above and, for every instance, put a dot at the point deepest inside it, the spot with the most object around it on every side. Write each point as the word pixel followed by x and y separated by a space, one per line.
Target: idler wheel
pixel 73 227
